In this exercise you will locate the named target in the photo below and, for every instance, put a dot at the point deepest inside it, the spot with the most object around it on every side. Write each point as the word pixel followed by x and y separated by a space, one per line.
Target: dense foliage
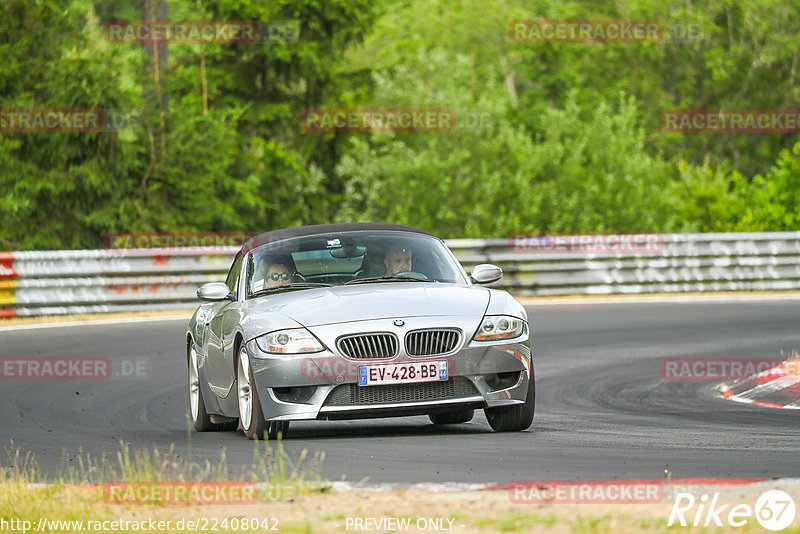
pixel 550 136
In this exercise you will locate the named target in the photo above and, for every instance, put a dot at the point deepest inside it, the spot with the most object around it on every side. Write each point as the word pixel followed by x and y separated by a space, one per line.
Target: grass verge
pixel 293 498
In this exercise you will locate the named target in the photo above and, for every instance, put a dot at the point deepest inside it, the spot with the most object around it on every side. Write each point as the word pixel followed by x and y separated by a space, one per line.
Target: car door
pixel 222 324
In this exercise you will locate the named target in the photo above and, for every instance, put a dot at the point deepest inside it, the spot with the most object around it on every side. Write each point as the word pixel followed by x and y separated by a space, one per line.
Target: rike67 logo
pixel 774 510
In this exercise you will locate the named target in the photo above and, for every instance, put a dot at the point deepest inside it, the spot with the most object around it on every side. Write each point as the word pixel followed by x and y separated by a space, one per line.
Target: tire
pixel 517 417
pixel 452 418
pixel 201 420
pixel 250 415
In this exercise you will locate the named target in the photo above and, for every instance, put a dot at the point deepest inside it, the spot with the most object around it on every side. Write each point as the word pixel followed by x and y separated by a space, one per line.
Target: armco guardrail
pixel 673 263
pixel 91 281
pixel 97 281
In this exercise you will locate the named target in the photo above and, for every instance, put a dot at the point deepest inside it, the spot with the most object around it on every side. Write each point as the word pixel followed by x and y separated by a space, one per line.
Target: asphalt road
pixel 603 412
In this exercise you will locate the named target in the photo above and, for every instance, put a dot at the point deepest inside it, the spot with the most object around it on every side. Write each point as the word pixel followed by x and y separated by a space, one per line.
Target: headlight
pixel 291 341
pixel 495 327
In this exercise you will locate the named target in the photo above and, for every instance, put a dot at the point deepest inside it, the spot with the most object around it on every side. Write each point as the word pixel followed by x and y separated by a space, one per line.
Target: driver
pixel 397 260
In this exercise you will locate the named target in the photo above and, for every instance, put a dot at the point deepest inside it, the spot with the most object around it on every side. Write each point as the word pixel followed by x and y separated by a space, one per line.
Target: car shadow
pixel 317 430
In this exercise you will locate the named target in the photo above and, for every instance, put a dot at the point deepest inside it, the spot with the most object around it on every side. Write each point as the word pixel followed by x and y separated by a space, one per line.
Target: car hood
pixel 340 304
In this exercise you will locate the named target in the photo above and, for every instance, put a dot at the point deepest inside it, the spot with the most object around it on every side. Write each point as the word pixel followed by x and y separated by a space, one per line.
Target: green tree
pixel 582 172
pixel 769 202
pixel 214 141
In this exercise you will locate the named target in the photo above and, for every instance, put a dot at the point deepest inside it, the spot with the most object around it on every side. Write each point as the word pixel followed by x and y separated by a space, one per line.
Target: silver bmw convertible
pixel 350 321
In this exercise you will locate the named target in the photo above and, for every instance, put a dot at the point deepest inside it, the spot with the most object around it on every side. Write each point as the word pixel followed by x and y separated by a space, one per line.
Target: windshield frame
pixel 462 278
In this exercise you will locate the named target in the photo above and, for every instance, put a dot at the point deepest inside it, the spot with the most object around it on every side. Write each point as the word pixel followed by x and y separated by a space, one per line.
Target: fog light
pixel 498 381
pixel 296 395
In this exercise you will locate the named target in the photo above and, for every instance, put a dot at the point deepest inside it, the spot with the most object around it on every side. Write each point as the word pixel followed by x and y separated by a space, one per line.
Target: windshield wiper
pixel 388 278
pixel 295 285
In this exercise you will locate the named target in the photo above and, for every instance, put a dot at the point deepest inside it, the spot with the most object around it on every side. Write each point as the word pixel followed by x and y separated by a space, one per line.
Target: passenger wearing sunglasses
pixel 278 275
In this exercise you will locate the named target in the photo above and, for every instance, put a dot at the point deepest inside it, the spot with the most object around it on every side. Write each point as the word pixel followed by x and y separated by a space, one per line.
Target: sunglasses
pixel 280 276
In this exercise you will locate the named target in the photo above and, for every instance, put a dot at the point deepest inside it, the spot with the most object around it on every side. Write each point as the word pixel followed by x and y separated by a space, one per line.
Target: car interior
pixel 338 260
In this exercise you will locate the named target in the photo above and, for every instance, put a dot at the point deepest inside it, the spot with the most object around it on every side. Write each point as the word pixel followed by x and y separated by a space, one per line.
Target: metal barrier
pixel 99 281
pixel 96 281
pixel 671 263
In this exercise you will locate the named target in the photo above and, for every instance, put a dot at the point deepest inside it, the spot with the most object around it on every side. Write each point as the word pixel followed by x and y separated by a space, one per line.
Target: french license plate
pixel 370 375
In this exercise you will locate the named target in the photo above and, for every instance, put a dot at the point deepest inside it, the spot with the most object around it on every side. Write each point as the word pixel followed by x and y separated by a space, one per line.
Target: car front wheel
pixel 517 417
pixel 250 414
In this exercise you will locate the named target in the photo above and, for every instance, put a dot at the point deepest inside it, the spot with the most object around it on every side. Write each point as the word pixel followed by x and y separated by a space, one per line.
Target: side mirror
pixel 486 273
pixel 215 291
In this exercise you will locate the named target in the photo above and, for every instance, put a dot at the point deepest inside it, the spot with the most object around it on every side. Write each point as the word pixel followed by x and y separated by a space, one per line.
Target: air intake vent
pixel 368 346
pixel 431 342
pixel 352 394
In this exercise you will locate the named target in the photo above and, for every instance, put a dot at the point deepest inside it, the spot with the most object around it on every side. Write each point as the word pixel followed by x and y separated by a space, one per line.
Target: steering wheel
pixel 411 274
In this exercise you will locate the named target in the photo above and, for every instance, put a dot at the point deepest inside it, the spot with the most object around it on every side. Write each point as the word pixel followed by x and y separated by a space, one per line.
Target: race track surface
pixel 603 411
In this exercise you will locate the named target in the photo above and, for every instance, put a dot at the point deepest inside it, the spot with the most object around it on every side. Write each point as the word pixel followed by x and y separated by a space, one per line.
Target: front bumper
pixel 324 385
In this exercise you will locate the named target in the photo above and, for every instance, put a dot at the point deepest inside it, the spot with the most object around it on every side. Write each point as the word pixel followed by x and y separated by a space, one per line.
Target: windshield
pixel 351 257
